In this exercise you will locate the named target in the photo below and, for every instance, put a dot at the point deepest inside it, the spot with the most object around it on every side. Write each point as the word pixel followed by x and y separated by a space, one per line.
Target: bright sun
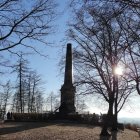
pixel 118 70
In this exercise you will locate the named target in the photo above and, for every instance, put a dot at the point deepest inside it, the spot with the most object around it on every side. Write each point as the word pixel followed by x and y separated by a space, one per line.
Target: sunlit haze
pixel 118 70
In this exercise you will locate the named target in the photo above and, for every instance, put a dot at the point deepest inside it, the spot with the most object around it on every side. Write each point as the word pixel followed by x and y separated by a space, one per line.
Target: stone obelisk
pixel 68 90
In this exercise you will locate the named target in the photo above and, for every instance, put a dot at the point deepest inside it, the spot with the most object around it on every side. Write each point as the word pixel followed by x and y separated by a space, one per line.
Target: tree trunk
pixel 20 87
pixel 115 116
pixel 108 117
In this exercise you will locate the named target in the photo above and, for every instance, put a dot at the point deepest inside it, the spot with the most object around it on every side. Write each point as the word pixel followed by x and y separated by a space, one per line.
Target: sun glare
pixel 118 70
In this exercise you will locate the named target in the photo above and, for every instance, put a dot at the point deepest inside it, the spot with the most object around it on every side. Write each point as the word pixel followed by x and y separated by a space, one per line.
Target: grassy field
pixel 58 131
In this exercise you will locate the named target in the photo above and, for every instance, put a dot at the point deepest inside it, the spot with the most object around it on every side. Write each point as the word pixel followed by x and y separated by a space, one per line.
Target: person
pixel 8 115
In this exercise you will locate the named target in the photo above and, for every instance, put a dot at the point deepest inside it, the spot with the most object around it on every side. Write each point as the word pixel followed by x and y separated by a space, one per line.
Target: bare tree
pixel 130 24
pixel 52 102
pixel 101 40
pixel 132 62
pixel 21 69
pixel 23 22
pixel 6 92
pixel 29 92
pixel 132 3
pixel 80 104
pixel 39 102
pixel 36 101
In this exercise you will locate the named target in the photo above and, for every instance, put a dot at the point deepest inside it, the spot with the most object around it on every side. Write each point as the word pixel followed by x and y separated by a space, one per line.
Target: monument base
pixel 67 117
pixel 66 109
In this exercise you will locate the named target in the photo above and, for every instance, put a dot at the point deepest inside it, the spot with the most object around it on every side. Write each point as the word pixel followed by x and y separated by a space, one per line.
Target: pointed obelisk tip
pixel 69 45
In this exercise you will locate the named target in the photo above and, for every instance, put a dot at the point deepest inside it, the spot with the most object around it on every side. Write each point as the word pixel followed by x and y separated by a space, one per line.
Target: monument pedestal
pixel 67 100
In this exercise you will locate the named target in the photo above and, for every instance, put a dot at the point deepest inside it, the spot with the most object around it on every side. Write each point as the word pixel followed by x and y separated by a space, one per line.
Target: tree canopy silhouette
pixel 23 21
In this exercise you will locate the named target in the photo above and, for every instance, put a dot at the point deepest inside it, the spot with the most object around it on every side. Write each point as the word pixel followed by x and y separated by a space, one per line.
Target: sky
pixel 50 72
pixel 48 67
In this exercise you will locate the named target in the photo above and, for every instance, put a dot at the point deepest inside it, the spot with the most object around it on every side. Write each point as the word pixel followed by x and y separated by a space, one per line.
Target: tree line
pixel 23 26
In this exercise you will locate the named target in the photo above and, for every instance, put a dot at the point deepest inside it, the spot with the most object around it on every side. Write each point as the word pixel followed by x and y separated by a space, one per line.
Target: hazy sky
pixel 49 70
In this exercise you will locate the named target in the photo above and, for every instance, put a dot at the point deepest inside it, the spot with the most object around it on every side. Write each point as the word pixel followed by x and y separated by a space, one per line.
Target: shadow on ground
pixel 13 127
pixel 75 124
pixel 112 137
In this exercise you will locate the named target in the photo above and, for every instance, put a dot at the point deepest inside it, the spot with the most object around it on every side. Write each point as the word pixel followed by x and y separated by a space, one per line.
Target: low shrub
pixel 29 116
pixel 90 119
pixel 132 126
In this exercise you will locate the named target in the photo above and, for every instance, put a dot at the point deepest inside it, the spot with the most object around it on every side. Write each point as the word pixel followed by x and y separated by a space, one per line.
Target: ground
pixel 58 131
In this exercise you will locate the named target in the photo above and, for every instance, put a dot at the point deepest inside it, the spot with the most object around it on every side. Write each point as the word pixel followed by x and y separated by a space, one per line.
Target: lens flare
pixel 118 70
